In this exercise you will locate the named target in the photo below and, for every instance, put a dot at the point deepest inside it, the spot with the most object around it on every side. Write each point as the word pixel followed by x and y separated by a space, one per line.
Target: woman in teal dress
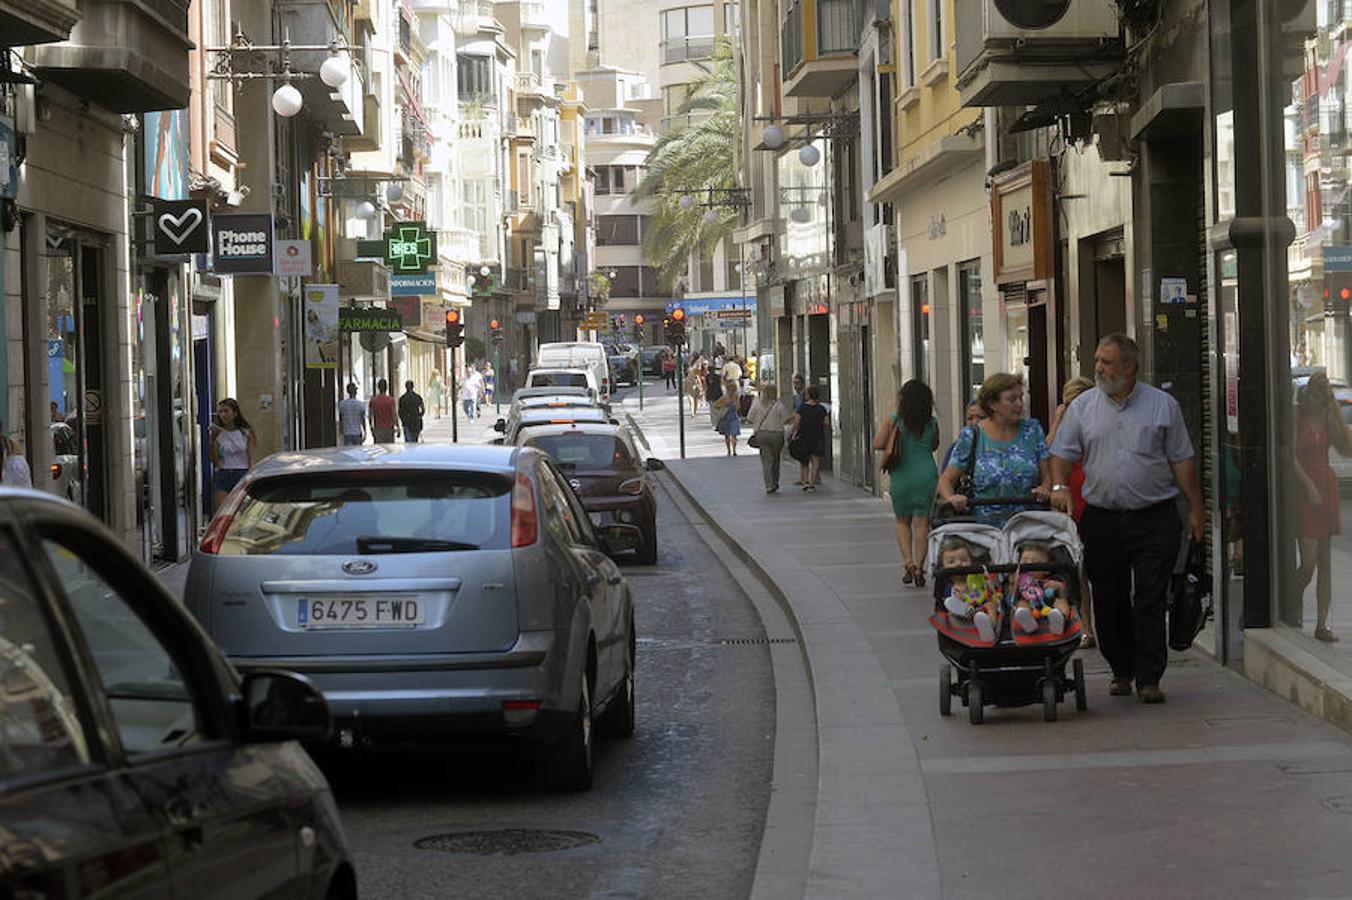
pixel 907 441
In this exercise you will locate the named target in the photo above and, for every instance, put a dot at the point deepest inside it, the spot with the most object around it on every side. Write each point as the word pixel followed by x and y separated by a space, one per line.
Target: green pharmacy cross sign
pixel 409 247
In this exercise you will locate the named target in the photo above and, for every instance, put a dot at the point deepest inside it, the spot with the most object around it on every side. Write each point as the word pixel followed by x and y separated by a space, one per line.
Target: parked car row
pixel 420 591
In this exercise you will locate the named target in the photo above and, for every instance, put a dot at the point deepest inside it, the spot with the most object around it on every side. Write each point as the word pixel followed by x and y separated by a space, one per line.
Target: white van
pixel 560 377
pixel 577 354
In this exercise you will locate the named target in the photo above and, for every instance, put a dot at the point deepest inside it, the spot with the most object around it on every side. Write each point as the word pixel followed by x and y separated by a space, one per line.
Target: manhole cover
pixel 506 842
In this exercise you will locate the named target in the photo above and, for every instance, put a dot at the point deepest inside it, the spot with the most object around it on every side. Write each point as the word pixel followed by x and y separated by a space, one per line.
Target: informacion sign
pixel 242 244
pixel 369 319
pixel 423 285
pixel 180 226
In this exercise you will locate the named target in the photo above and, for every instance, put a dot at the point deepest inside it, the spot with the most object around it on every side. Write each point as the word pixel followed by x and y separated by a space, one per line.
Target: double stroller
pixel 1015 668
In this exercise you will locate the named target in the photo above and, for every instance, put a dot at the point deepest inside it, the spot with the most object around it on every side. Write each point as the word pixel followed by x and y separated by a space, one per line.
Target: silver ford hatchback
pixel 429 591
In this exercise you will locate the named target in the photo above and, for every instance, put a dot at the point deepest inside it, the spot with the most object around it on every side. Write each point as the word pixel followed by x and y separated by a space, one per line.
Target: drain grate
pixel 507 841
pixel 743 642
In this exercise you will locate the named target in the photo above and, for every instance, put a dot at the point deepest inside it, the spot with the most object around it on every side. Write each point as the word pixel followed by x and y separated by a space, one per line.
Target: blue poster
pixel 166 143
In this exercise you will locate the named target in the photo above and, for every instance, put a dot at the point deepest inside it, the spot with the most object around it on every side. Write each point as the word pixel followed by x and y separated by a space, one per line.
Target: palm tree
pixel 689 159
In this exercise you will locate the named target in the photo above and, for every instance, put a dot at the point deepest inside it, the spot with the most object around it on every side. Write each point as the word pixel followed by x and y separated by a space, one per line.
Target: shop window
pixel 972 335
pixel 920 327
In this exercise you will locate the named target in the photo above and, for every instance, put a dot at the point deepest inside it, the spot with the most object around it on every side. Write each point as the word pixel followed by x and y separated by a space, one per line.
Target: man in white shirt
pixel 352 418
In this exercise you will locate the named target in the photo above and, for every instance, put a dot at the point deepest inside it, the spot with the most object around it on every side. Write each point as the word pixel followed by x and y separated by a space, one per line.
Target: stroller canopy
pixel 985 539
pixel 1054 528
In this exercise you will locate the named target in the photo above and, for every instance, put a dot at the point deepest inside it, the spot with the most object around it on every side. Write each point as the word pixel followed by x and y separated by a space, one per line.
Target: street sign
pixel 593 321
pixel 369 319
pixel 734 314
pixel 180 226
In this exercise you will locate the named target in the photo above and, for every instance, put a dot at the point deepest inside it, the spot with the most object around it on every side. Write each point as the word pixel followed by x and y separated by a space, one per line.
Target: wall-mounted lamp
pixel 286 99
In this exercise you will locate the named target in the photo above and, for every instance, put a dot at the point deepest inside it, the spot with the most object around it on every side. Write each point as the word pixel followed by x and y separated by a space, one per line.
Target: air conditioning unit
pixel 1030 52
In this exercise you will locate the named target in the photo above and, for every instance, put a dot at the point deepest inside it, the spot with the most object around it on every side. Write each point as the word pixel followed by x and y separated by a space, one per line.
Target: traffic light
pixel 455 328
pixel 1338 292
pixel 675 327
pixel 638 326
pixel 495 331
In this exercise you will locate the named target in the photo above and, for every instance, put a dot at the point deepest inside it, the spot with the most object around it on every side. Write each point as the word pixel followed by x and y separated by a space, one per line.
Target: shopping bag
pixel 1190 603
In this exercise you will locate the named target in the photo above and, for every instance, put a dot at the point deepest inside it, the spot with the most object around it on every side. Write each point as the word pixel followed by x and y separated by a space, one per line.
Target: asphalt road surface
pixel 676 810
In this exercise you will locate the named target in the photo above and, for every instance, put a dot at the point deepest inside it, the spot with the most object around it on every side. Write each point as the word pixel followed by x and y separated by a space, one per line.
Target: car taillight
pixel 220 524
pixel 524 520
pixel 56 471
pixel 632 486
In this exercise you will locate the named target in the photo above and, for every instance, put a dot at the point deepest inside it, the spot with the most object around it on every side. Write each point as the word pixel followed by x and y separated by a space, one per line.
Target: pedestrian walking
pixel 411 411
pixel 669 370
pixel 14 471
pixel 971 416
pixel 1137 458
pixel 810 426
pixel 798 387
pixel 1319 426
pixel 1072 389
pixel 469 393
pixel 767 419
pixel 694 388
pixel 436 394
pixel 352 418
pixel 725 414
pixel 231 446
pixel 1003 455
pixel 907 441
pixel 384 416
pixel 713 391
pixel 490 382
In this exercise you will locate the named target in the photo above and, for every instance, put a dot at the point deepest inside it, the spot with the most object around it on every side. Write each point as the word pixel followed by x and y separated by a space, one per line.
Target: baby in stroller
pixel 1037 596
pixel 973 598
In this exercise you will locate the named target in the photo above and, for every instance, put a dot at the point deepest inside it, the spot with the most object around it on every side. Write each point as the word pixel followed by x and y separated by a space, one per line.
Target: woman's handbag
pixel 940 509
pixel 753 442
pixel 892 452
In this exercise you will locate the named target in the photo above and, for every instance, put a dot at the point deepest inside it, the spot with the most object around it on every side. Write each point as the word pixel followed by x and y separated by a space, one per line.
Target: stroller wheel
pixel 945 690
pixel 1049 700
pixel 975 702
pixel 1081 694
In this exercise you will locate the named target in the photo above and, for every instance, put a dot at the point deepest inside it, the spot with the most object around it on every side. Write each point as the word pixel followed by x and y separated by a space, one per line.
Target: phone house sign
pixel 242 244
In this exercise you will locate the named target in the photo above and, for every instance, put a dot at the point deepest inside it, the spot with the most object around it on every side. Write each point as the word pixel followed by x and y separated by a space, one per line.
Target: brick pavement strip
pixel 1227 789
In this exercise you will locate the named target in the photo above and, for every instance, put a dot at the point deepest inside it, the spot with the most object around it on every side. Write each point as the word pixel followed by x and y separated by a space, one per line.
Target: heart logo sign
pixel 180 226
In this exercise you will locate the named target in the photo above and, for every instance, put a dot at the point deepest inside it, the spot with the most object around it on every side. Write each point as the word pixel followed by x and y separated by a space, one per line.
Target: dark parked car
pixel 603 465
pixel 623 368
pixel 652 359
pixel 133 760
pixel 433 592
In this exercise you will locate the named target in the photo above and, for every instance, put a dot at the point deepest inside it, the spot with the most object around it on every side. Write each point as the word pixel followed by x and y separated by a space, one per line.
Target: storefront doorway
pixel 77 296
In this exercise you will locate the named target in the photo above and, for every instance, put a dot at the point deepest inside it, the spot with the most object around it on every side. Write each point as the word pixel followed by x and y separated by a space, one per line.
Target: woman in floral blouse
pixel 1011 452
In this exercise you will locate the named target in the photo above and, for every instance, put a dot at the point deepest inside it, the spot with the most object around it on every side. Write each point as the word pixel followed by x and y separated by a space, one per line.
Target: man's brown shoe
pixel 1150 693
pixel 1121 687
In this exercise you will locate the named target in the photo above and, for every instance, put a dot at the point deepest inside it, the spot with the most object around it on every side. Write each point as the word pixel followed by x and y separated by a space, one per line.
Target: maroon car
pixel 604 466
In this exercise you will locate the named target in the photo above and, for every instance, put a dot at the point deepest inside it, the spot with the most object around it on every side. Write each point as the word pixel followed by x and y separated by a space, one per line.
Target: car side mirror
pixel 655 464
pixel 283 706
pixel 500 425
pixel 620 538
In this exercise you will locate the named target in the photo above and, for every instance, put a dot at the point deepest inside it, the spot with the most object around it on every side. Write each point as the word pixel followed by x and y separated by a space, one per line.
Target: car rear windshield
pixel 558 379
pixel 372 513
pixel 584 451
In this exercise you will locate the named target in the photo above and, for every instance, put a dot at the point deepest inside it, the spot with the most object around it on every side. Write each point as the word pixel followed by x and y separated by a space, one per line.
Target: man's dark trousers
pixel 1122 548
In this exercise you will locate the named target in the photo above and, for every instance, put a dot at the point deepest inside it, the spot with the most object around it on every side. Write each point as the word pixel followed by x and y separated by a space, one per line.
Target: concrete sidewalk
pixel 1226 790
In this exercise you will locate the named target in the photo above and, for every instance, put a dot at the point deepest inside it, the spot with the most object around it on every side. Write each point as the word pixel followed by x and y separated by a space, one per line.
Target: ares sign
pixel 409 247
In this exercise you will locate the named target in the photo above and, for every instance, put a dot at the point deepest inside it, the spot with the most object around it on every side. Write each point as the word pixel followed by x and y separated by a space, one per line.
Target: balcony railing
pixel 680 49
